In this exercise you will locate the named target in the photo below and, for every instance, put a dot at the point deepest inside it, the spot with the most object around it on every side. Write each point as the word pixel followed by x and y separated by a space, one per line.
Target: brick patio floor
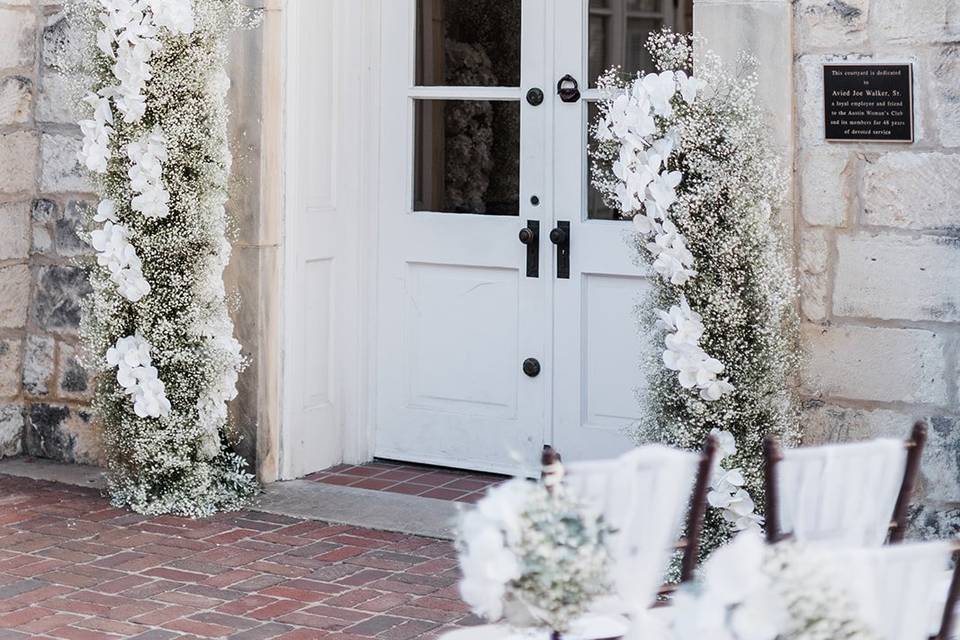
pixel 73 567
pixel 411 479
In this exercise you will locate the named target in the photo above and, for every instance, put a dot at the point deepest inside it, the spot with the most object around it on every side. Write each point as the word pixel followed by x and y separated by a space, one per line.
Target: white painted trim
pixel 333 224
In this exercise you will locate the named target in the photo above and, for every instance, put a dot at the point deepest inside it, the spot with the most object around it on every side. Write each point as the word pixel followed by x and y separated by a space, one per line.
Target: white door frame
pixel 315 71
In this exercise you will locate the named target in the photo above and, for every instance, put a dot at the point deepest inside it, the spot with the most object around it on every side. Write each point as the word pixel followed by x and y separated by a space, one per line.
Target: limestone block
pixel 68 242
pixel 17 42
pixel 14 230
pixel 893 277
pixel 56 300
pixel 15 100
pixel 18 161
pixel 74 381
pixel 59 432
pixel 824 23
pixel 814 250
pixel 43 210
pixel 913 191
pixel 911 22
pixel 61 170
pixel 10 363
pixel 940 469
pixel 57 101
pixel 945 94
pixel 11 430
pixel 42 240
pixel 38 365
pixel 813 296
pixel 881 364
pixel 826 177
pixel 14 295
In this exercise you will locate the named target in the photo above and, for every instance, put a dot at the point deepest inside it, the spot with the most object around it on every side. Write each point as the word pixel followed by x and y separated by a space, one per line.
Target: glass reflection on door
pixel 617 32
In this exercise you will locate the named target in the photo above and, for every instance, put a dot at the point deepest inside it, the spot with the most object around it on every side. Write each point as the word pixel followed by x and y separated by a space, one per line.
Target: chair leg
pixel 953 597
pixel 698 509
pixel 771 499
pixel 918 439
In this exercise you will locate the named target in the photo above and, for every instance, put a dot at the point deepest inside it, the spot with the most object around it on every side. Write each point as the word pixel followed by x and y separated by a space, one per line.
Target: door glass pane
pixel 645 6
pixel 467 157
pixel 618 32
pixel 596 209
pixel 468 43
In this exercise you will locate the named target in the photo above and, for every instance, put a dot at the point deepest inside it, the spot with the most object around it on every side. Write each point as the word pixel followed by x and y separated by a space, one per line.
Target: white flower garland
pixel 159 305
pixel 646 191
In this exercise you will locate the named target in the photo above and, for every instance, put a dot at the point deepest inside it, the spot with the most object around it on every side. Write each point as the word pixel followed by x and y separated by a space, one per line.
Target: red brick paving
pixel 74 568
pixel 411 479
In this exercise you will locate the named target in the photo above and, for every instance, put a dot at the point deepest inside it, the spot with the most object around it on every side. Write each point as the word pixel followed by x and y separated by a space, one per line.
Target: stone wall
pixel 878 230
pixel 43 389
pixel 44 392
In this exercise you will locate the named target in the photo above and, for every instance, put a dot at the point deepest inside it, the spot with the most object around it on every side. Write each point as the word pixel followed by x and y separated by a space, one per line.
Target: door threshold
pixel 367 508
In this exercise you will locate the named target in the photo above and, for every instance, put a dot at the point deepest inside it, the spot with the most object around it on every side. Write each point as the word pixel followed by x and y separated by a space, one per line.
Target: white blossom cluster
pixel 748 591
pixel 726 489
pixel 117 255
pixel 138 377
pixel 146 174
pixel 683 353
pixel 532 557
pixel 157 320
pixel 689 160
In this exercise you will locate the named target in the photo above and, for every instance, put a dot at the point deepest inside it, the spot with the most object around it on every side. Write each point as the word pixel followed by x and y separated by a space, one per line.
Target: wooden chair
pixel 773 456
pixel 689 544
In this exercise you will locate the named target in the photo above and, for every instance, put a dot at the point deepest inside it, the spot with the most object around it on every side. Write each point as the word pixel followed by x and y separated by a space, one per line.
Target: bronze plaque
pixel 868 102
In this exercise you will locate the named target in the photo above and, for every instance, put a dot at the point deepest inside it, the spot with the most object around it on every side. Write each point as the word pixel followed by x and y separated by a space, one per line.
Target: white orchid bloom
pixel 661 87
pixel 690 87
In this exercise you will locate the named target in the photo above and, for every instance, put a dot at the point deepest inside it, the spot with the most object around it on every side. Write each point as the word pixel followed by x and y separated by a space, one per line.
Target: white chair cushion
pixel 841 494
pixel 643 495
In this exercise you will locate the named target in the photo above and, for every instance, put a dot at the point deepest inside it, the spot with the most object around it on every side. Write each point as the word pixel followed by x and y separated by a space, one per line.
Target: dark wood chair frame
pixel 953 598
pixel 772 455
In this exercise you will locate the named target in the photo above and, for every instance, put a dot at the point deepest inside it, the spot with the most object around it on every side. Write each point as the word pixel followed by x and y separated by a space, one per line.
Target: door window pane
pixel 468 43
pixel 596 209
pixel 467 157
pixel 618 32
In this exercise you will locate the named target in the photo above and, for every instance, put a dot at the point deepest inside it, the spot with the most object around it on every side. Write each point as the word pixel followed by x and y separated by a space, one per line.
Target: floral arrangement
pixel 157 324
pixel 687 159
pixel 750 591
pixel 532 556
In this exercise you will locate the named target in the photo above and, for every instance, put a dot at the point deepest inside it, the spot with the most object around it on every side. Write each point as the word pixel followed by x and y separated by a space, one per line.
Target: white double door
pixel 469 158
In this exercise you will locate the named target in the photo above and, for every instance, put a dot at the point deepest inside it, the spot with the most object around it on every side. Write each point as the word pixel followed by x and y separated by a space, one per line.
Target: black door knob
pixel 535 97
pixel 558 236
pixel 528 236
pixel 531 367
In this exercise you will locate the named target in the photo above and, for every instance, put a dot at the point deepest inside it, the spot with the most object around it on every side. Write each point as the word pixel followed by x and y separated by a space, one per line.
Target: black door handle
pixel 560 236
pixel 530 236
pixel 568 89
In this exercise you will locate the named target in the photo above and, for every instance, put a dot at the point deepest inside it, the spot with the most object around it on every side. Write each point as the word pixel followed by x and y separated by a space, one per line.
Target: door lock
pixel 530 236
pixel 531 367
pixel 560 236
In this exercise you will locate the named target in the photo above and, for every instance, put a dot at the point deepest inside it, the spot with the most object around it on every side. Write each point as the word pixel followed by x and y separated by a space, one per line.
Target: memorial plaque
pixel 868 102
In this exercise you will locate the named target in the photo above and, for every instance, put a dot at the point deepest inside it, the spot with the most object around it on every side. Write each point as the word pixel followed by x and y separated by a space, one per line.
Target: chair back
pixel 895 586
pixel 643 495
pixel 852 494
